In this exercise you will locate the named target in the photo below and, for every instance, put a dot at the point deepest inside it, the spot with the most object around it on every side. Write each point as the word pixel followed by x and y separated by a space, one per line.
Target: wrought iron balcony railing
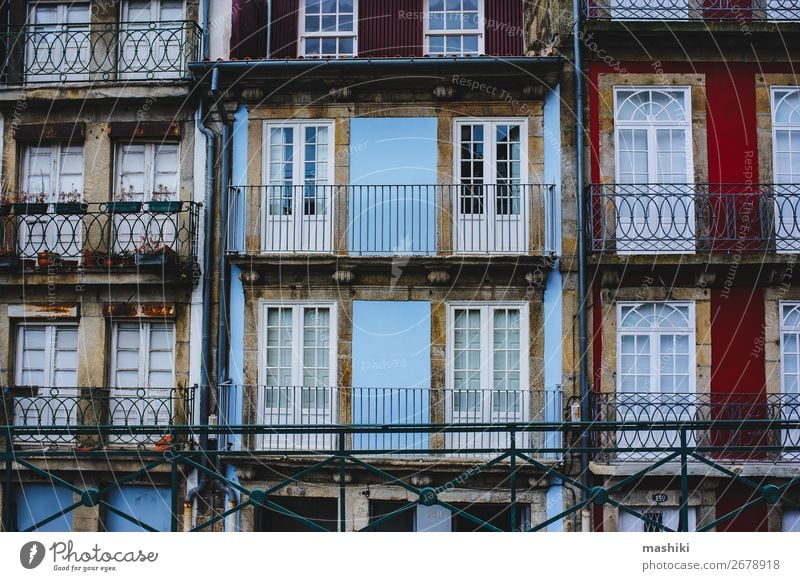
pixel 729 440
pixel 392 220
pixel 322 407
pixel 125 408
pixel 99 52
pixel 688 218
pixel 742 11
pixel 109 235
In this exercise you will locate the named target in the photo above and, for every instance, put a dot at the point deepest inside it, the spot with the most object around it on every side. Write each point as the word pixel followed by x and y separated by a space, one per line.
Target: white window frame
pixel 150 148
pixel 155 12
pixel 144 350
pixel 654 335
pixel 303 35
pixel 49 349
pixel 487 349
pixel 626 522
pixel 773 90
pixel 490 146
pixel 56 153
pixel 61 7
pixel 651 127
pixel 298 308
pixel 299 157
pixel 480 32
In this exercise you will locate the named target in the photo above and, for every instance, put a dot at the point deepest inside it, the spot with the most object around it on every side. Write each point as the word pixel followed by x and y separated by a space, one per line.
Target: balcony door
pixel 297 373
pixel 655 373
pixel 786 167
pixel 297 204
pixel 487 370
pixel 790 371
pixel 490 200
pixel 51 172
pixel 142 377
pixel 57 47
pixel 654 201
pixel 152 40
pixel 46 359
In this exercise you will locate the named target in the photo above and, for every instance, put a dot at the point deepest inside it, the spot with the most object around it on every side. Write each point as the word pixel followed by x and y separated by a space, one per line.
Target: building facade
pixel 413 265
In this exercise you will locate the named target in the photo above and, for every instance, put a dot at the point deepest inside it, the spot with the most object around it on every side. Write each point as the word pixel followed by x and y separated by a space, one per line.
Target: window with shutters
pixel 58 47
pixel 454 27
pixel 51 173
pixel 47 359
pixel 328 28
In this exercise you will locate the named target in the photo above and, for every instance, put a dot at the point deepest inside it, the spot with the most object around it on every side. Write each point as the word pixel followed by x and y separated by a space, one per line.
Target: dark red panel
pixel 596 340
pixel 737 340
pixel 504 28
pixel 390 28
pixel 285 28
pixel 248 29
pixel 732 496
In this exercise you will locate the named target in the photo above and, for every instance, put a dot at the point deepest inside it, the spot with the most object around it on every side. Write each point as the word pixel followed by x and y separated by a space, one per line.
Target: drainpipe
pixel 206 32
pixel 583 297
pixel 269 29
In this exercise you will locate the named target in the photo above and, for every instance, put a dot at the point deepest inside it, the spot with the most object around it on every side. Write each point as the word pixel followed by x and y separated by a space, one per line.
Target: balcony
pixel 694 218
pixel 99 52
pixel 742 11
pixel 111 236
pixel 55 409
pixel 393 220
pixel 726 430
pixel 312 409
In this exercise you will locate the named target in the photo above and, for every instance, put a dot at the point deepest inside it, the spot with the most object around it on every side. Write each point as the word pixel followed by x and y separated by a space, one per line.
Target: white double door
pixel 152 39
pixel 297 198
pixel 490 199
pixel 57 46
pixel 47 361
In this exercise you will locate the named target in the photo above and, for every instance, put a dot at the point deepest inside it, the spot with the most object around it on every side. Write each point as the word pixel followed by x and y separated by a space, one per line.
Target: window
pixel 328 28
pixel 47 358
pixel 51 172
pixel 488 364
pixel 58 47
pixel 655 204
pixel 142 374
pixel 298 166
pixel 666 517
pixel 152 38
pixel 298 369
pixel 491 170
pixel 786 166
pixel 454 27
pixel 146 172
pixel 655 371
pixel 790 369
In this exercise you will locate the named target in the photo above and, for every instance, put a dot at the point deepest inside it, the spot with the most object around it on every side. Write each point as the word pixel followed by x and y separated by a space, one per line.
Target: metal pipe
pixel 269 29
pixel 206 35
pixel 583 298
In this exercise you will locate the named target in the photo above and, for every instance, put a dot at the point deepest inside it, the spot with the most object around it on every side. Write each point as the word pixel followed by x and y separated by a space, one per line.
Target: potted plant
pixel 110 260
pixel 163 202
pixel 8 256
pixel 124 203
pixel 152 251
pixel 47 258
pixel 28 204
pixel 70 203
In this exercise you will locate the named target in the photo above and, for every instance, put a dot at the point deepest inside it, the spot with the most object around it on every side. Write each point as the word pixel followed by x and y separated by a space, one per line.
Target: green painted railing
pixel 511 458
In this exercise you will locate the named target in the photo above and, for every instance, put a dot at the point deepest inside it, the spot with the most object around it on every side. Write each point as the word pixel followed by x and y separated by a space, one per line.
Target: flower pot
pixel 124 207
pixel 71 207
pixel 45 259
pixel 26 208
pixel 8 262
pixel 159 259
pixel 170 207
pixel 109 261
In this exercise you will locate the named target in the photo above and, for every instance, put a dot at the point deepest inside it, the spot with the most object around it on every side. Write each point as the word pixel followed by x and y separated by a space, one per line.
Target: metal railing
pixel 98 235
pixel 704 10
pixel 386 406
pixel 731 441
pixel 126 408
pixel 99 52
pixel 392 220
pixel 686 218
